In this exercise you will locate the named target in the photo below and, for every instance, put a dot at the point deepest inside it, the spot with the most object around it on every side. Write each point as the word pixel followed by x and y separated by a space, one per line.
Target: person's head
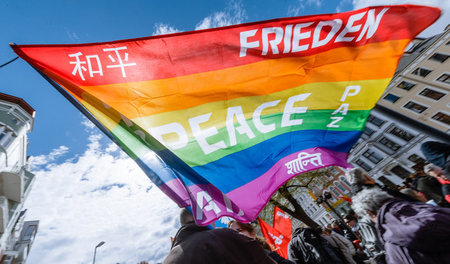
pixel 432 170
pixel 326 231
pixel 335 224
pixel 414 194
pixel 369 201
pixel 350 220
pixel 245 229
pixel 359 177
pixel 186 217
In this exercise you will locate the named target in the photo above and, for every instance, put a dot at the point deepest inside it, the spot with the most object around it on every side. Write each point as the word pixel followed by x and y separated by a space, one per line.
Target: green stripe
pixel 131 140
pixel 312 120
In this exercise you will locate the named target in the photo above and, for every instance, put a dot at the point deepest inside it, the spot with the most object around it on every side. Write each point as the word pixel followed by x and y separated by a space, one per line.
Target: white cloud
pixel 87 123
pixel 36 161
pixel 436 28
pixel 163 29
pixel 233 14
pixel 301 5
pixel 102 195
pixel 317 3
pixel 342 4
pixel 296 10
pixel 72 35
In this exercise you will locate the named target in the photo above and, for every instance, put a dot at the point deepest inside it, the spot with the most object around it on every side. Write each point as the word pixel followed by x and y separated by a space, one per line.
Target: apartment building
pixel 337 185
pixel 16 234
pixel 415 108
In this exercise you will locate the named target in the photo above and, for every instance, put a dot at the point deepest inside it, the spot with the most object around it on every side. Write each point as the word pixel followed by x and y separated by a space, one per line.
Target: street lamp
pixel 326 195
pixel 324 199
pixel 95 250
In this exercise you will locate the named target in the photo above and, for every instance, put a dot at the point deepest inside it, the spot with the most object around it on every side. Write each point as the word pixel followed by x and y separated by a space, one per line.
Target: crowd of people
pixel 405 225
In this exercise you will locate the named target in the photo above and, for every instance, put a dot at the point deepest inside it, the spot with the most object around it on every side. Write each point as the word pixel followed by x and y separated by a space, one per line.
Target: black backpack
pixel 314 249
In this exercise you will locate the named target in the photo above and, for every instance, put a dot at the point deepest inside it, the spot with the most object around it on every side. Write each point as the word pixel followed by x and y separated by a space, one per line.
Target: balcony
pixel 12 185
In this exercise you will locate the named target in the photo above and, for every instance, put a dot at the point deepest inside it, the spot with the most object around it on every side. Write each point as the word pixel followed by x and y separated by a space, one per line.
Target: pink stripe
pixel 245 202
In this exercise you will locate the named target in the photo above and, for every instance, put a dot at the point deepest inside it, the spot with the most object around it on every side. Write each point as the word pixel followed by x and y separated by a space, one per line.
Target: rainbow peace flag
pixel 220 118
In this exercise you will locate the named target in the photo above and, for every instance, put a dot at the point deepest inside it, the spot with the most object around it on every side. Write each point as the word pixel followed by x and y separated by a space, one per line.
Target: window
pixel 29 232
pixel 391 98
pixel 372 156
pixel 406 85
pixel 421 72
pixel 415 107
pixel 363 165
pixel 401 133
pixel 3 132
pixel 6 136
pixel 333 190
pixel 340 187
pixel 435 95
pixel 390 144
pixel 334 171
pixel 344 180
pixel 439 57
pixel 400 171
pixel 445 78
pixel 416 158
pixel 368 131
pixel 376 121
pixel 441 117
pixel 387 182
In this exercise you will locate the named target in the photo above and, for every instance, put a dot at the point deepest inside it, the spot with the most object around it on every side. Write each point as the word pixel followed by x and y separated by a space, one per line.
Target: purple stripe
pixel 176 191
pixel 253 196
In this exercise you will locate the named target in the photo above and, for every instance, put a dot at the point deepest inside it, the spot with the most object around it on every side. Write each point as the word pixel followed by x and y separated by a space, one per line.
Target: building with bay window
pixel 16 234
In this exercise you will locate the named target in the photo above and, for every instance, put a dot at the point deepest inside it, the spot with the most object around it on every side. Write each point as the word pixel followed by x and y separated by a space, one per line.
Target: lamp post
pixel 324 199
pixel 95 250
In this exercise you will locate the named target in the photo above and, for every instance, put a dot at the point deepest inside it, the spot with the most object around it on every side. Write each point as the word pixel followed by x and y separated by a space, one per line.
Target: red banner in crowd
pixel 275 238
pixel 282 222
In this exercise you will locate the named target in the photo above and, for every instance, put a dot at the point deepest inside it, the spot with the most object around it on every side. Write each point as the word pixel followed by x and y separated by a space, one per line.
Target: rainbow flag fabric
pixel 220 118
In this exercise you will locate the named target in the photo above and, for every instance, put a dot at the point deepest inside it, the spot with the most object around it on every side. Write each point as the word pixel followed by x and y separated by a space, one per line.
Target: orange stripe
pixel 137 99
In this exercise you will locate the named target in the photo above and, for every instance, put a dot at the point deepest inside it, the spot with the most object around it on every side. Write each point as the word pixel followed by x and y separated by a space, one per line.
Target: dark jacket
pixel 308 247
pixel 431 187
pixel 199 245
pixel 414 232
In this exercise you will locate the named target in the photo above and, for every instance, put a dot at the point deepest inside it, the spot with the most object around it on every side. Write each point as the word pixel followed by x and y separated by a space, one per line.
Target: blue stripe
pixel 239 168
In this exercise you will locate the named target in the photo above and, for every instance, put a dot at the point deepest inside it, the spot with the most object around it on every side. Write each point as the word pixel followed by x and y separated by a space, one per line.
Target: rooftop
pixel 19 101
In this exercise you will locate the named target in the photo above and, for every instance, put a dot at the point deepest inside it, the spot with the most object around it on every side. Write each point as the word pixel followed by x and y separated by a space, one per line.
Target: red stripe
pixel 186 53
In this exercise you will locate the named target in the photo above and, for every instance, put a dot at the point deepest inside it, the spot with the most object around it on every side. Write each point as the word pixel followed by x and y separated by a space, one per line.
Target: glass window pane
pixel 439 57
pixel 389 143
pixel 391 98
pixel 401 133
pixel 445 78
pixel 415 107
pixel 432 94
pixel 441 117
pixel 406 85
pixel 421 72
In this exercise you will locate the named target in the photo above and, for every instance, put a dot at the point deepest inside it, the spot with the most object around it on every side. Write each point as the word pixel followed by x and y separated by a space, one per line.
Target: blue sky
pixel 69 21
pixel 86 189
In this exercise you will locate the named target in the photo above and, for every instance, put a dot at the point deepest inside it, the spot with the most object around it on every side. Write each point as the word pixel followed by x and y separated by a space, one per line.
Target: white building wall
pixel 15 123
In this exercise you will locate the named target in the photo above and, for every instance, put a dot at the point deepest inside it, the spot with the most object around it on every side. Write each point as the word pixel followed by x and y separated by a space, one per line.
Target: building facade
pixel 415 108
pixel 16 235
pixel 337 185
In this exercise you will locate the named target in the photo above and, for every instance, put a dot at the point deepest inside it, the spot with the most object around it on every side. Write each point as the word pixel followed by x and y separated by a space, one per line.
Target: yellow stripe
pixel 323 96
